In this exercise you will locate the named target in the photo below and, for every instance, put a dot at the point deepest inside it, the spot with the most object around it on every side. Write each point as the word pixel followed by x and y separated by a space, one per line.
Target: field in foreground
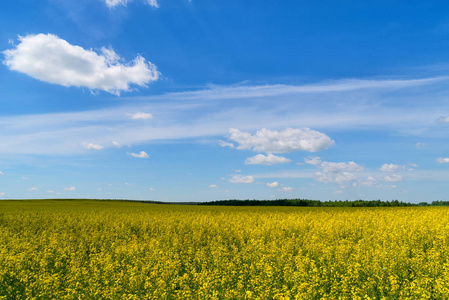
pixel 120 250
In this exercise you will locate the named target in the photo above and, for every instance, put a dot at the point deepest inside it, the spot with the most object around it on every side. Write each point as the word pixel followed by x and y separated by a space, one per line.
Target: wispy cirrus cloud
pixel 114 3
pixel 140 116
pixel 62 133
pixel 48 58
pixel 269 159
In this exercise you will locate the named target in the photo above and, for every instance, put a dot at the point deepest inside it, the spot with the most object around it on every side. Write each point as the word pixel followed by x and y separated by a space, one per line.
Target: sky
pixel 200 100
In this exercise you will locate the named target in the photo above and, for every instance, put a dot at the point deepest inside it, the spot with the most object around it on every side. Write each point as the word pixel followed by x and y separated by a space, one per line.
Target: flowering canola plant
pixel 121 250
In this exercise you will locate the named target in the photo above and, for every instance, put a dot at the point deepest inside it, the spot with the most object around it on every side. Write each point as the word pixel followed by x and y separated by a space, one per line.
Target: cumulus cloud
pixel 140 115
pixel 141 154
pixel 393 178
pixel 1 173
pixel 391 167
pixel 442 160
pixel 339 178
pixel 213 186
pixel 269 159
pixel 338 172
pixel 114 3
pixel 49 58
pixel 273 184
pixel 32 189
pixel 369 181
pixel 287 140
pixel 315 161
pixel 333 167
pixel 2 194
pixel 71 188
pixel 91 146
pixel 241 179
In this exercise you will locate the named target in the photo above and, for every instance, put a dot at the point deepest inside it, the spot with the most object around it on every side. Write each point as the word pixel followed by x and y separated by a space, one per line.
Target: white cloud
pixel 269 159
pixel 287 140
pixel 2 194
pixel 285 189
pixel 49 58
pixel 114 3
pixel 32 189
pixel 63 133
pixel 241 179
pixel 213 186
pixel 142 154
pixel 273 184
pixel 91 146
pixel 338 172
pixel 370 181
pixel 151 189
pixel 72 188
pixel 116 144
pixel 140 115
pixel 333 167
pixel 442 160
pixel 24 178
pixel 315 161
pixel 391 167
pixel 339 178
pixel 152 3
pixel 51 192
pixel 1 173
pixel 225 144
pixel 393 178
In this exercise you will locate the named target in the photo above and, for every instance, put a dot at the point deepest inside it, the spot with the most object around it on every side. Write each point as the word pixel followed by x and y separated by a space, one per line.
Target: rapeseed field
pixel 121 250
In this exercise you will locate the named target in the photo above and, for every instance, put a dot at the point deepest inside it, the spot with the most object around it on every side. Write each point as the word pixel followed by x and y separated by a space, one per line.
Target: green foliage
pixel 310 203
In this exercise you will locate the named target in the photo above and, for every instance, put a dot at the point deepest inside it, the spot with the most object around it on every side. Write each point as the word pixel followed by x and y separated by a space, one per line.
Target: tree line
pixel 318 203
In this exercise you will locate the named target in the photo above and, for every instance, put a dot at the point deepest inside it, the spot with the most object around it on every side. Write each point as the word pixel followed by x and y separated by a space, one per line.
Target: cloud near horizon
pixel 285 141
pixel 48 58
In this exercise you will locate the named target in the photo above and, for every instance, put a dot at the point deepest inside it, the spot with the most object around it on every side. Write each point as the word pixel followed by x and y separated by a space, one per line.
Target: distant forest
pixel 318 203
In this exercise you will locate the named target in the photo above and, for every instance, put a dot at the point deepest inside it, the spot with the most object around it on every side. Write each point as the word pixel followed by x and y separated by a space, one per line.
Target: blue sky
pixel 178 100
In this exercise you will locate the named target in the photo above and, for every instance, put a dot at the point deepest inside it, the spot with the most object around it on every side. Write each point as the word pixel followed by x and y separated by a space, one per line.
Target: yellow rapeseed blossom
pixel 121 250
